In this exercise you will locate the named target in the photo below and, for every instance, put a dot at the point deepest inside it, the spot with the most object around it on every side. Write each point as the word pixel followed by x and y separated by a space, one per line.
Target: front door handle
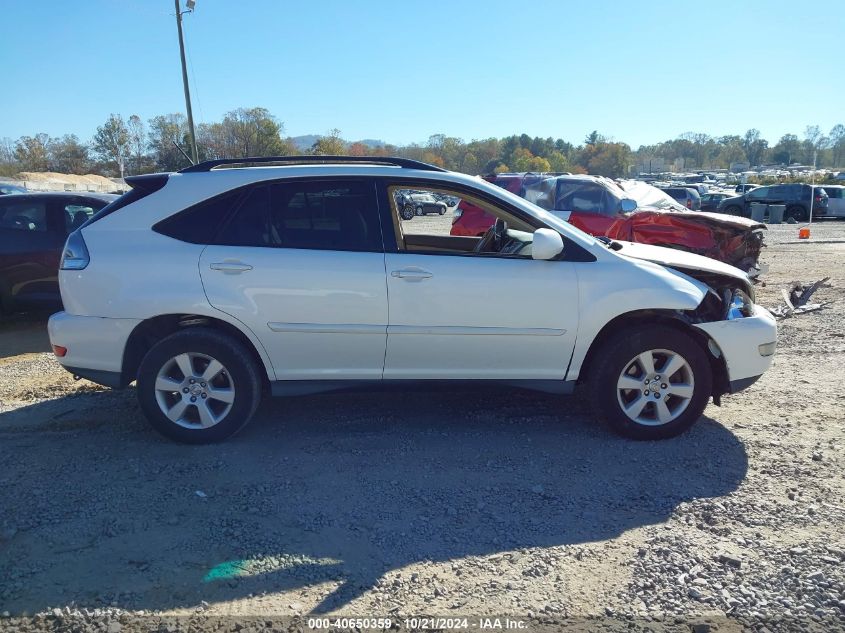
pixel 231 268
pixel 411 274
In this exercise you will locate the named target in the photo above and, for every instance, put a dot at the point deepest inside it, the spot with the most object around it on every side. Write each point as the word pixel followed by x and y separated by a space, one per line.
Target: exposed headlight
pixel 739 305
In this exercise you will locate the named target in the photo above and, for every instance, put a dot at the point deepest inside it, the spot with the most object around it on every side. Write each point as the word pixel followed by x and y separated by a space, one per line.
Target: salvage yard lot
pixel 491 502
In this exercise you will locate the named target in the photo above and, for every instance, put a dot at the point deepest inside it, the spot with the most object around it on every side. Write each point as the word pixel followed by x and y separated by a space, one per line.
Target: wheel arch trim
pixel 156 327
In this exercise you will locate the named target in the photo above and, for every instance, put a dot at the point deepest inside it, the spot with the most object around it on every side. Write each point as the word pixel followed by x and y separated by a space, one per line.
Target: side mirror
pixel 547 244
pixel 626 205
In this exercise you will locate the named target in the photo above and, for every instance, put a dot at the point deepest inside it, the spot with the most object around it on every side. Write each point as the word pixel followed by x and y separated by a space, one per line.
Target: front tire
pixel 649 384
pixel 733 210
pixel 408 213
pixel 198 386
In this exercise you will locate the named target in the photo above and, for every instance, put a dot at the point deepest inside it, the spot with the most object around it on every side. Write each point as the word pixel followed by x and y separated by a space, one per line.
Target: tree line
pixel 131 146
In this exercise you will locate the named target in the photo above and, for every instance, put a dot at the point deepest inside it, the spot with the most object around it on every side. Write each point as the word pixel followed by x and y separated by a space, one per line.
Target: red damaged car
pixel 626 210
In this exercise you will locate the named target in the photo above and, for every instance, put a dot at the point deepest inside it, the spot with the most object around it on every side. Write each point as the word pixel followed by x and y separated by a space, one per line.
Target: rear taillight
pixel 75 255
pixel 59 351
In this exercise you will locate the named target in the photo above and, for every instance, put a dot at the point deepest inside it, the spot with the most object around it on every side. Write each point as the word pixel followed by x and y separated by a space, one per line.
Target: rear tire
pixel 198 386
pixel 656 409
pixel 797 213
pixel 733 210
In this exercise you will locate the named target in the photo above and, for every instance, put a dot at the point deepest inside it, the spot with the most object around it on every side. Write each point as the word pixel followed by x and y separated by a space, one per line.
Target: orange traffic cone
pixel 804 233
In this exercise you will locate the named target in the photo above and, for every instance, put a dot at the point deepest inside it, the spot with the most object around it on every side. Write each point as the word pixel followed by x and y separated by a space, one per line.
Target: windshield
pixel 565 228
pixel 648 196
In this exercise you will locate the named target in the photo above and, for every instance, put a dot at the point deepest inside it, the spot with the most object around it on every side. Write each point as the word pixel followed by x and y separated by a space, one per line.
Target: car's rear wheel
pixel 797 213
pixel 442 210
pixel 733 210
pixel 650 384
pixel 198 386
pixel 408 213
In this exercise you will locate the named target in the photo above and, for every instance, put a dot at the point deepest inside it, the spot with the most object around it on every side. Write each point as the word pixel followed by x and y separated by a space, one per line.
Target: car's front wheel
pixel 198 386
pixel 650 384
pixel 732 210
pixel 408 213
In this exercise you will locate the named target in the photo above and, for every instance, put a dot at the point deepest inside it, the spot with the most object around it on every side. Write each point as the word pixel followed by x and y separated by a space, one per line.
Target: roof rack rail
pixel 407 163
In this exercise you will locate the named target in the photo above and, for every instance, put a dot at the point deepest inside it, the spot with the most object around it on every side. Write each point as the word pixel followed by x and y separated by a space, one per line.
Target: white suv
pixel 220 283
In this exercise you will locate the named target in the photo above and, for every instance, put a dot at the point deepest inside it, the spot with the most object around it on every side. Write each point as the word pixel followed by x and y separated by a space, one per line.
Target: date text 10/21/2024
pixel 421 622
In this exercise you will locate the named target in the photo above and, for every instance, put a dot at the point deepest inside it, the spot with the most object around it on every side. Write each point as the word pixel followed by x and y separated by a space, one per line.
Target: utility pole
pixel 191 131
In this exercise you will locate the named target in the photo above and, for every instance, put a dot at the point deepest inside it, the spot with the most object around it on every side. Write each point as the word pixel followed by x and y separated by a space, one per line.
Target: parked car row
pixel 797 198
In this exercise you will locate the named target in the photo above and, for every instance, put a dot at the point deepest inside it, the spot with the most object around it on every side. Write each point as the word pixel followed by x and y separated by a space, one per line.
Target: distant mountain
pixel 306 141
pixel 371 142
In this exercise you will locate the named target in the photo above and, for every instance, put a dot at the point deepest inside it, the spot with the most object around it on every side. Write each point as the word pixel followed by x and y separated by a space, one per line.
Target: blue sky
pixel 639 72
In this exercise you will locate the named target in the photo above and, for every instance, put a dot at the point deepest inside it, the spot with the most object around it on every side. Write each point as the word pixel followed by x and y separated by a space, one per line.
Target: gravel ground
pixel 497 502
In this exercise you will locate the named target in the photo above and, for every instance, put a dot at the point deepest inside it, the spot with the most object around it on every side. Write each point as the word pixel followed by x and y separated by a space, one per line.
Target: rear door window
pixel 341 215
pixel 23 215
pixel 338 215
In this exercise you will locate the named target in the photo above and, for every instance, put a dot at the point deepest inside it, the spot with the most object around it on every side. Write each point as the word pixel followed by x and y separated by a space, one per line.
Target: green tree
pixel 137 141
pixel 755 147
pixel 168 132
pixel 814 142
pixel 837 144
pixel 252 132
pixel 31 152
pixel 330 145
pixel 111 143
pixel 787 149
pixel 68 155
pixel 610 159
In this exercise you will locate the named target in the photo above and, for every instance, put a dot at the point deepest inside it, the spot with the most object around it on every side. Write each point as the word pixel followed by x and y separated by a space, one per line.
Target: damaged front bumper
pixel 746 344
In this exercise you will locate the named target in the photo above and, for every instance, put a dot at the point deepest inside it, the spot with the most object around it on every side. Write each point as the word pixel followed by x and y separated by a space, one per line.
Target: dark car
pixel 6 188
pixel 685 195
pixel 796 197
pixel 710 201
pixel 33 230
pixel 421 204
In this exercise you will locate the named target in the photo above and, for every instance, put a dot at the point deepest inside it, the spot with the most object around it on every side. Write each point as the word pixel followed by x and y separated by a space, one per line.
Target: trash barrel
pixel 776 213
pixel 758 211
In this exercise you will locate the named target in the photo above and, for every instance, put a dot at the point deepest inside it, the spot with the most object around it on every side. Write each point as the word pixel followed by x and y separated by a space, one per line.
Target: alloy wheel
pixel 655 387
pixel 194 390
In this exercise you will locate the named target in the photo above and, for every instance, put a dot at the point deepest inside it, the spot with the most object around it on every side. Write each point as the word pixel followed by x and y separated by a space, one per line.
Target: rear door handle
pixel 411 274
pixel 231 268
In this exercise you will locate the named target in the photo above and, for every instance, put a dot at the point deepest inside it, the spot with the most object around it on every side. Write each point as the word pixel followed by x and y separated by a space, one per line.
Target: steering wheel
pixel 494 238
pixel 22 221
